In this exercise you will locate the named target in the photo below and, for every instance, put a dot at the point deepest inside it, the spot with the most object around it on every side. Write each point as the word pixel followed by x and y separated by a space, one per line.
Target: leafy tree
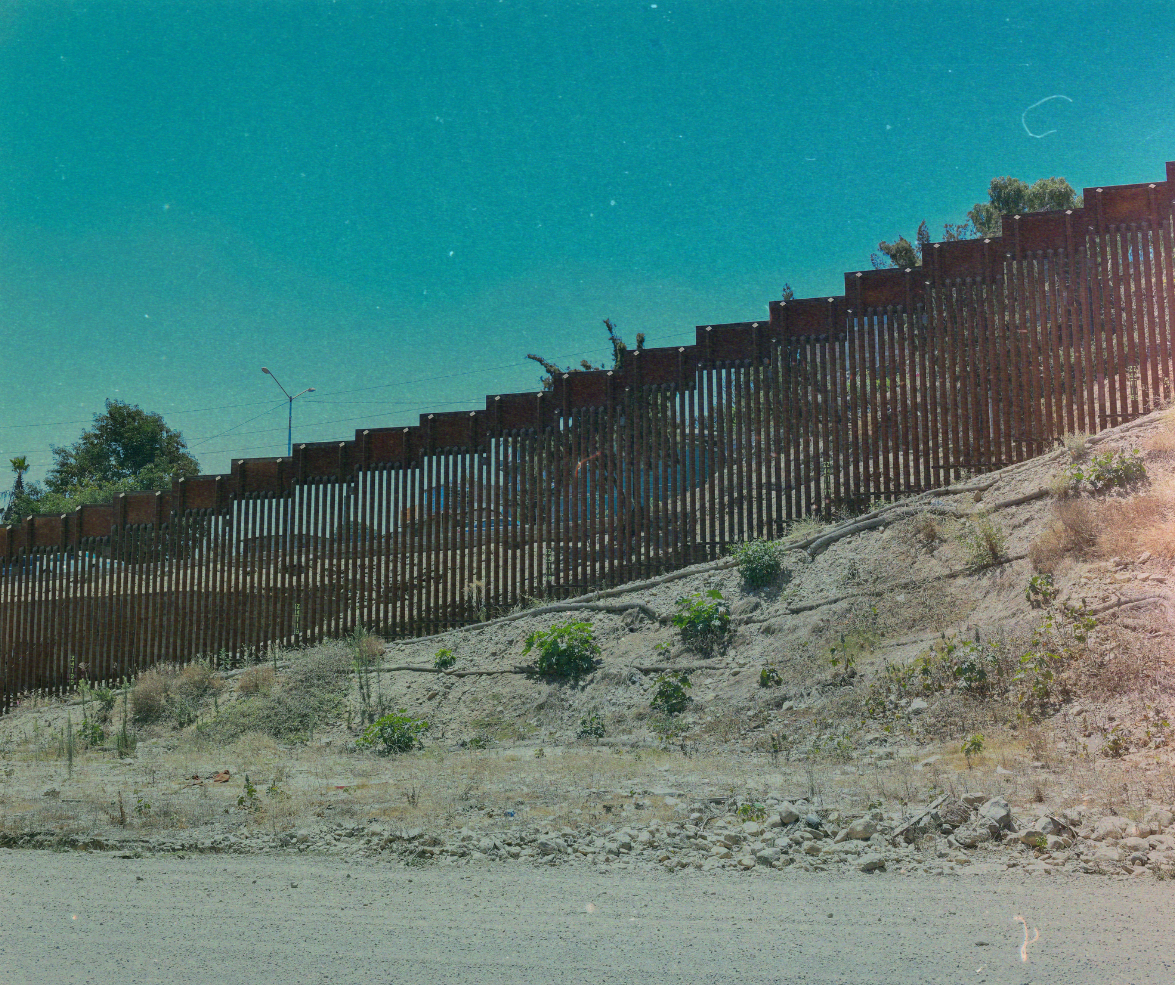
pixel 1006 196
pixel 125 444
pixel 618 346
pixel 127 450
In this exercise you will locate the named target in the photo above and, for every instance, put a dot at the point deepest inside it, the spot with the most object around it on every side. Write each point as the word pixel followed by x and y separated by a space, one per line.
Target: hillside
pixel 1013 610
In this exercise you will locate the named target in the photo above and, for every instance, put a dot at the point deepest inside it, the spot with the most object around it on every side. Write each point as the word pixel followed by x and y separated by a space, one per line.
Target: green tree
pixel 125 444
pixel 20 465
pixel 127 450
pixel 618 346
pixel 1006 196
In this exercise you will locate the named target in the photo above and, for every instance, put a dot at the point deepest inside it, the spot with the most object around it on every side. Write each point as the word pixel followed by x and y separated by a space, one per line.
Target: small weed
pixel 248 800
pixel 985 543
pixel 393 733
pixel 972 747
pixel 752 812
pixel 591 726
pixel 703 619
pixel 565 650
pixel 1116 745
pixel 670 694
pixel 91 733
pixel 769 677
pixel 444 659
pixel 1041 591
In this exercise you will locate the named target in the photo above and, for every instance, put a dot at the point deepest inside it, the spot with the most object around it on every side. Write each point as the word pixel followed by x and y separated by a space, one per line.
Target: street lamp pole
pixel 290 429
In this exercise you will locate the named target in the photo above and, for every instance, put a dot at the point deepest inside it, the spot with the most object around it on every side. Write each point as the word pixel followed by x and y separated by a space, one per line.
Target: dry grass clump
pixel 927 531
pixel 1161 443
pixel 1075 444
pixel 149 694
pixel 165 693
pixel 256 680
pixel 196 682
pixel 1075 534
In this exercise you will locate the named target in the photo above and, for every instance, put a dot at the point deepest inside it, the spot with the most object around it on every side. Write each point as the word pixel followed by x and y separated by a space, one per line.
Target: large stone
pixel 1160 818
pixel 871 863
pixel 769 856
pixel 1108 829
pixel 974 800
pixel 787 813
pixel 999 813
pixel 861 829
pixel 972 835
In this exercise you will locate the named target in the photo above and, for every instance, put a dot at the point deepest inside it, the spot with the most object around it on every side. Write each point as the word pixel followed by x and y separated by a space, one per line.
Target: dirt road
pixel 77 918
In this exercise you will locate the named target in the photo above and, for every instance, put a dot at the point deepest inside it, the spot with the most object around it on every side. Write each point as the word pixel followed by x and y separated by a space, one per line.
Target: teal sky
pixel 394 202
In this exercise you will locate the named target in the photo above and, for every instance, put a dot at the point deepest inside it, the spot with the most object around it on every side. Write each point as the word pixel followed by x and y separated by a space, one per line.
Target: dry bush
pixel 927 531
pixel 1075 534
pixel 1159 539
pixel 256 680
pixel 196 682
pixel 1075 444
pixel 150 693
pixel 1161 443
pixel 1121 523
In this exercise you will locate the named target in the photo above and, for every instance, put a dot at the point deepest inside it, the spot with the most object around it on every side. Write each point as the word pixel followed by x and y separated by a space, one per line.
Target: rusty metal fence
pixel 912 379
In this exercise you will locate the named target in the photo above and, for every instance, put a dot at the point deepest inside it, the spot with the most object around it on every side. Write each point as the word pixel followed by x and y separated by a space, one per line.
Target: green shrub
pixel 670 694
pixel 591 726
pixel 91 733
pixel 703 618
pixel 1040 591
pixel 1109 470
pixel 444 659
pixel 567 649
pixel 769 677
pixel 394 732
pixel 973 746
pixel 751 812
pixel 759 563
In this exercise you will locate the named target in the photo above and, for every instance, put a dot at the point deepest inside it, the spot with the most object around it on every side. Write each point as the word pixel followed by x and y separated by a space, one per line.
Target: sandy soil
pixel 70 918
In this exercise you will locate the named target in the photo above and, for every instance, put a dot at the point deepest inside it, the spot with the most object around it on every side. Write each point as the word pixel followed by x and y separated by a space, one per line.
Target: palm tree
pixel 20 465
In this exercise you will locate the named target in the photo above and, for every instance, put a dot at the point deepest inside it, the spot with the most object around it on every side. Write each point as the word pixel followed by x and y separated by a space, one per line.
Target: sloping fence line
pixel 982 357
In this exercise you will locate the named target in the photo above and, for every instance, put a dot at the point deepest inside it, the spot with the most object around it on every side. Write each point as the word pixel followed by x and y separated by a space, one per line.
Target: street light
pixel 290 433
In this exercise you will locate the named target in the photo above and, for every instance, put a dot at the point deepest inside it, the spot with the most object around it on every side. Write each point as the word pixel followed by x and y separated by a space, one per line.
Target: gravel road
pixel 74 918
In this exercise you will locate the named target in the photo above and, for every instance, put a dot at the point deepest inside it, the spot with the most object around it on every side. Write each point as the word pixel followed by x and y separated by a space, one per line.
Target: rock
pixel 644 838
pixel 787 813
pixel 1108 829
pixel 999 813
pixel 752 830
pixel 1160 817
pixel 1032 838
pixel 971 835
pixel 861 829
pixel 1054 843
pixel 53 793
pixel 813 848
pixel 773 821
pixel 812 820
pixel 1051 825
pixel 974 800
pixel 769 856
pixel 871 863
pixel 954 813
pixel 554 846
pixel 743 608
pixel 917 706
pixel 747 862
pixel 1134 844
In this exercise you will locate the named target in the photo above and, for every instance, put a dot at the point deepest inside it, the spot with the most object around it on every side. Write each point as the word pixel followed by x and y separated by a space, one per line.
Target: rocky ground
pixel 825 732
